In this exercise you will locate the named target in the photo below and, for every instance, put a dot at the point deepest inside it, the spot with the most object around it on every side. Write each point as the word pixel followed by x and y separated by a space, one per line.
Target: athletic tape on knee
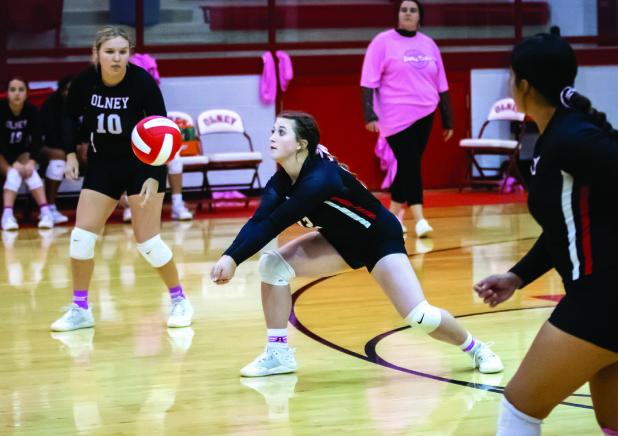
pixel 55 170
pixel 424 316
pixel 274 270
pixel 155 251
pixel 34 181
pixel 175 166
pixel 13 180
pixel 514 422
pixel 82 244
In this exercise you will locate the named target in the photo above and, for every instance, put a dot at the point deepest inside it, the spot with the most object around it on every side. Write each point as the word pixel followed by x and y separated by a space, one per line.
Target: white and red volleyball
pixel 156 140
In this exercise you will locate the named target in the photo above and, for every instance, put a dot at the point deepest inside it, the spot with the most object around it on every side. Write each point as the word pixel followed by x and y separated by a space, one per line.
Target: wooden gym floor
pixel 361 371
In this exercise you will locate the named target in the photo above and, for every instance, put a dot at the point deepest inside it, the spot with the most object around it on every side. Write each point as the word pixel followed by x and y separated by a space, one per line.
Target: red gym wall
pixel 328 87
pixel 335 100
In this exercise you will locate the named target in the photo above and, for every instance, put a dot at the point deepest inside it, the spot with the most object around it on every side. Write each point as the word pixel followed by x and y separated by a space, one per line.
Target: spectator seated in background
pixel 52 151
pixel 20 136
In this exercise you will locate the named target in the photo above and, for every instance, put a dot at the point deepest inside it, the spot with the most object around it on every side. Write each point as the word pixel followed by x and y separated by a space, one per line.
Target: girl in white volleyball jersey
pixel 112 96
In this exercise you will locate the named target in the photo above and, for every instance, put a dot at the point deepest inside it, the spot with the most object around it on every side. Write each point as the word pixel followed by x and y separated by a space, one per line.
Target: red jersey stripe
pixel 359 209
pixel 585 222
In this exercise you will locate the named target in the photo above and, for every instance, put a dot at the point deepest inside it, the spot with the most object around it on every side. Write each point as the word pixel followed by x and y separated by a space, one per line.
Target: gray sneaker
pixel 75 318
pixel 58 217
pixel 181 314
pixel 271 361
pixel 486 360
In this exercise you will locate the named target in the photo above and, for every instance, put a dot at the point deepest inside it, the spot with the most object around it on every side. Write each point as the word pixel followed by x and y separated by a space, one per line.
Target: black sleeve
pixel 591 154
pixel 534 264
pixel 153 101
pixel 70 128
pixel 277 214
pixel 446 111
pixel 370 115
pixel 270 200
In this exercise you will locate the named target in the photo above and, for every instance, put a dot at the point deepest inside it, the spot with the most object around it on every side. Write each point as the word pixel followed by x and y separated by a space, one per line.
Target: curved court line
pixel 372 356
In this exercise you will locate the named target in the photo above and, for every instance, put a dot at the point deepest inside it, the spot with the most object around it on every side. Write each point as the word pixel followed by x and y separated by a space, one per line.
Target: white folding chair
pixel 236 156
pixel 502 110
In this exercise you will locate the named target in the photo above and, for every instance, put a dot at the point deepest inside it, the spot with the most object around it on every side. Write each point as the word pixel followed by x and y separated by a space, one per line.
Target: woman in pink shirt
pixel 403 81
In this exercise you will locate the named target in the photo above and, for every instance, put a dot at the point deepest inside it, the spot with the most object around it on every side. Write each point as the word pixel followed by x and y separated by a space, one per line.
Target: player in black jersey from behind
pixel 112 96
pixel 19 140
pixel 573 196
pixel 354 230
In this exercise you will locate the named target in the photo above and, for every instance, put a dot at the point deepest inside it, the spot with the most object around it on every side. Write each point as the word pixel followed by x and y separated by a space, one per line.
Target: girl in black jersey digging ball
pixel 573 192
pixel 112 96
pixel 19 138
pixel 355 230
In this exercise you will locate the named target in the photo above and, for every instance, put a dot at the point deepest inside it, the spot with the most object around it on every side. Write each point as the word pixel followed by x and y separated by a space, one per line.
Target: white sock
pixel 176 200
pixel 45 209
pixel 8 211
pixel 513 422
pixel 469 345
pixel 277 338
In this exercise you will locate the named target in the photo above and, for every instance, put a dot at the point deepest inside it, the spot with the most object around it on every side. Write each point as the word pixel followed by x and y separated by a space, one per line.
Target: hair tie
pixel 566 94
pixel 321 150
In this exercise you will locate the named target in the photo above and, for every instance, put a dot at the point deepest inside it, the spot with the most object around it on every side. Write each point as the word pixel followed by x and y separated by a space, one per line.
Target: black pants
pixel 408 147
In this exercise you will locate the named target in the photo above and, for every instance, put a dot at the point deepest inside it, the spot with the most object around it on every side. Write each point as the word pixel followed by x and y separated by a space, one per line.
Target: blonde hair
pixel 106 33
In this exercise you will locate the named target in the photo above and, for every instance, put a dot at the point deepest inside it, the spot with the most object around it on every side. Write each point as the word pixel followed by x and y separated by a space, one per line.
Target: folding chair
pixel 235 157
pixel 502 110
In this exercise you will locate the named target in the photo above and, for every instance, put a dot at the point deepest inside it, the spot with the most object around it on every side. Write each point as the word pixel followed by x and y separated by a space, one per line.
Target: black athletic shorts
pixel 114 176
pixel 589 310
pixel 385 237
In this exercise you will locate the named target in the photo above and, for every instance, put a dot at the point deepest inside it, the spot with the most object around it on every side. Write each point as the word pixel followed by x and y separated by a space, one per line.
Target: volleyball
pixel 156 140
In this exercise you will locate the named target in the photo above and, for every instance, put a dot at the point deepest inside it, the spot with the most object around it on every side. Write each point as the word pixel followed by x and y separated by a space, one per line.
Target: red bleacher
pixel 324 16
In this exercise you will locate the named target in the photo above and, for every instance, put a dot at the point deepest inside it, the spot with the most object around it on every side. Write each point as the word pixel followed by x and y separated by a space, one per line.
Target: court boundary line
pixel 372 356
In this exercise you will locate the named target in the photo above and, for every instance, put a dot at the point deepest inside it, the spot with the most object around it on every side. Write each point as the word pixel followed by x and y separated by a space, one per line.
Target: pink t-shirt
pixel 407 74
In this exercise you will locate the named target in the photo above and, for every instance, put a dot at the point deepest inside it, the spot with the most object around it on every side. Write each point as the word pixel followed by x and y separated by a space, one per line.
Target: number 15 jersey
pixel 111 112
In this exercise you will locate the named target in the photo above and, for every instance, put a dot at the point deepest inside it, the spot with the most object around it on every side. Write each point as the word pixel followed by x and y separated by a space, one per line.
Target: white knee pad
pixel 34 181
pixel 82 244
pixel 274 270
pixel 55 170
pixel 513 422
pixel 13 180
pixel 155 251
pixel 425 317
pixel 175 166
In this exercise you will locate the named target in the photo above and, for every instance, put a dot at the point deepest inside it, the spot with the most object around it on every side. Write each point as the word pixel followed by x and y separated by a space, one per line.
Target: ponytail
pixel 570 98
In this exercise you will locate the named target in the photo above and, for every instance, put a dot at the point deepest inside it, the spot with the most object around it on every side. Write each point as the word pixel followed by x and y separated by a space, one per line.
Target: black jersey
pixel 574 197
pixel 324 196
pixel 20 133
pixel 110 112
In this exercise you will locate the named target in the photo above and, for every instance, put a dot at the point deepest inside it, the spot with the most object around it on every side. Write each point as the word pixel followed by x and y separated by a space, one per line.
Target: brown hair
pixel 305 127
